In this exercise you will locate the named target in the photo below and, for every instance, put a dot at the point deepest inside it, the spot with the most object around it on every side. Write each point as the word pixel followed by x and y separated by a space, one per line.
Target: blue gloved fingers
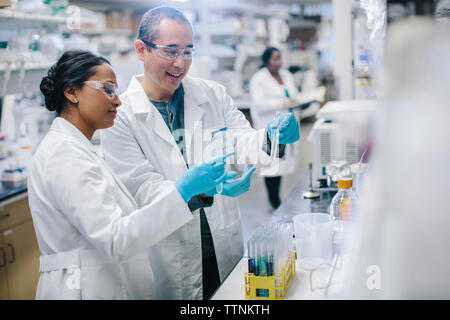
pixel 286 121
pixel 281 123
pixel 289 130
pixel 224 177
pixel 219 159
pixel 218 167
pixel 221 178
pixel 248 172
pixel 230 175
pixel 245 187
pixel 217 175
pixel 289 135
pixel 216 160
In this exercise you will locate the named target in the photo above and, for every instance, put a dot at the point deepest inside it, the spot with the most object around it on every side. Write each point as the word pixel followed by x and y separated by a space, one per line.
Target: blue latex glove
pixel 201 178
pixel 288 127
pixel 236 187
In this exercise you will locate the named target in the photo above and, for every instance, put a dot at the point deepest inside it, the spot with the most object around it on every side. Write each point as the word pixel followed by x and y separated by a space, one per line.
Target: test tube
pixel 251 256
pixel 270 253
pixel 263 265
pixel 256 253
pixel 219 142
pixel 274 144
pixel 275 140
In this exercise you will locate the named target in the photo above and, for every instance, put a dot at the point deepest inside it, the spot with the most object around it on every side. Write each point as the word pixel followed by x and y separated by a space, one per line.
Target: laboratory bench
pixel 19 250
pixel 311 277
pixel 9 192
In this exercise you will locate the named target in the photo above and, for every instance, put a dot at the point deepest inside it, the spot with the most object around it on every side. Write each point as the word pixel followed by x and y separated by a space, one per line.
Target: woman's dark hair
pixel 72 69
pixel 266 56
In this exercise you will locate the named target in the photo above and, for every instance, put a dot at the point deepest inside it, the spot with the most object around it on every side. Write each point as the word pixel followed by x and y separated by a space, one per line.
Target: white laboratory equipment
pixel 340 133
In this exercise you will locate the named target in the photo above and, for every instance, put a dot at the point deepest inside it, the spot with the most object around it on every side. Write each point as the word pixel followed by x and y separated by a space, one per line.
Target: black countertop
pixel 7 192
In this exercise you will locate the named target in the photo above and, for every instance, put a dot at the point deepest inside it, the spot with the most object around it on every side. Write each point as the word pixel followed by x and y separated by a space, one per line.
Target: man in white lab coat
pixel 163 128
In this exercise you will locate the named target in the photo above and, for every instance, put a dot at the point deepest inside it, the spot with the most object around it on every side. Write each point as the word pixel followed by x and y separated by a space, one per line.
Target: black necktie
pixel 211 278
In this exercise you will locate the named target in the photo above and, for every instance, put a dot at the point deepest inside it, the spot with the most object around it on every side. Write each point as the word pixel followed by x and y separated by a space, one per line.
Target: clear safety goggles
pixel 171 53
pixel 109 88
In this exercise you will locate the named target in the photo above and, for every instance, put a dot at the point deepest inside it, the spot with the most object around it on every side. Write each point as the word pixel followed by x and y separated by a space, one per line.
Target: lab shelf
pixel 23 16
pixel 30 82
pixel 95 33
pixel 12 19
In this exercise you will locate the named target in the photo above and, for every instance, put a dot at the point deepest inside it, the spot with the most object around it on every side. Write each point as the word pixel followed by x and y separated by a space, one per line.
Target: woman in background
pixel 273 89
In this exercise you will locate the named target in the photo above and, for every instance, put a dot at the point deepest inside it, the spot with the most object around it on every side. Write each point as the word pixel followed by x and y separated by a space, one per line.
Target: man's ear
pixel 71 94
pixel 140 48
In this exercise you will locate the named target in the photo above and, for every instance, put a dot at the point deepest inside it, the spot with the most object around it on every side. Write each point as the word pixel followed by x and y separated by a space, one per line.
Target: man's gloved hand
pixel 201 178
pixel 236 187
pixel 288 127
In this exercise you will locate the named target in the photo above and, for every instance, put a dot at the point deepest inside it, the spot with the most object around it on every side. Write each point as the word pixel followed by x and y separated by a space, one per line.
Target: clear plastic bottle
pixel 341 207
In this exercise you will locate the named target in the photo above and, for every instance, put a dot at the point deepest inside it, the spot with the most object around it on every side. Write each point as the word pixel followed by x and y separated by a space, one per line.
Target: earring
pixel 75 100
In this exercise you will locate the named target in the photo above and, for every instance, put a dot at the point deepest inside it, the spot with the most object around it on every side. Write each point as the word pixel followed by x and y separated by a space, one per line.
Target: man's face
pixel 164 75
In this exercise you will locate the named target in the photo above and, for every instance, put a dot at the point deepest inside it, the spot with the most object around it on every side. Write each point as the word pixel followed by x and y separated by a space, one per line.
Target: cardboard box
pixel 5 3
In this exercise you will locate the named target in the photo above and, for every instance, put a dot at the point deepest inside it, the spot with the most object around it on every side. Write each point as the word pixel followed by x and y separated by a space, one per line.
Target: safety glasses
pixel 109 88
pixel 171 53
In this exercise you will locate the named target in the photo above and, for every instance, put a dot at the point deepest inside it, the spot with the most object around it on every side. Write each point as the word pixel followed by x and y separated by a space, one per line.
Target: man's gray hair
pixel 149 26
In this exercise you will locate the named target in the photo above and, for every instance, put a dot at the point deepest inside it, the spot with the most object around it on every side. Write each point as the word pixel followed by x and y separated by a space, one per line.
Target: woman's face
pixel 95 108
pixel 275 61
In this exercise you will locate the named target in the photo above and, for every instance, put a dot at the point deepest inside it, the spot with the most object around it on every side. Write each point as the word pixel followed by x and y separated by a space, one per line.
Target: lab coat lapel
pixel 142 107
pixel 193 120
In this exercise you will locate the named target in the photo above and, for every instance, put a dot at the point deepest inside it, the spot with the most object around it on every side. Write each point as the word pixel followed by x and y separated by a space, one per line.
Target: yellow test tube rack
pixel 276 285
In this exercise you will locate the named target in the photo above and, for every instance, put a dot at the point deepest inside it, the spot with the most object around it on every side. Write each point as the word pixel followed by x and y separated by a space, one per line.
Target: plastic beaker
pixel 313 235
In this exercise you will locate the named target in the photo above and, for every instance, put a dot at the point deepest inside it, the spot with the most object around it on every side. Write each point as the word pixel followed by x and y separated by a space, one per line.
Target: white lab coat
pixel 92 236
pixel 267 97
pixel 142 151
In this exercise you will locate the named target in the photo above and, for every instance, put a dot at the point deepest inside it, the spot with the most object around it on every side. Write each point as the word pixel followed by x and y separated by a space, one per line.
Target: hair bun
pixel 48 89
pixel 47 86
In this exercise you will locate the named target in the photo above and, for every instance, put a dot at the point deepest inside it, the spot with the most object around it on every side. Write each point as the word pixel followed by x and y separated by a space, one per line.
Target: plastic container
pixel 341 207
pixel 313 235
pixel 24 148
pixel 13 178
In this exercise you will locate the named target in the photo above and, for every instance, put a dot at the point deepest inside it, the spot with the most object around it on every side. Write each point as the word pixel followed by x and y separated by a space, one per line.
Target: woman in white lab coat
pixel 273 89
pixel 92 235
